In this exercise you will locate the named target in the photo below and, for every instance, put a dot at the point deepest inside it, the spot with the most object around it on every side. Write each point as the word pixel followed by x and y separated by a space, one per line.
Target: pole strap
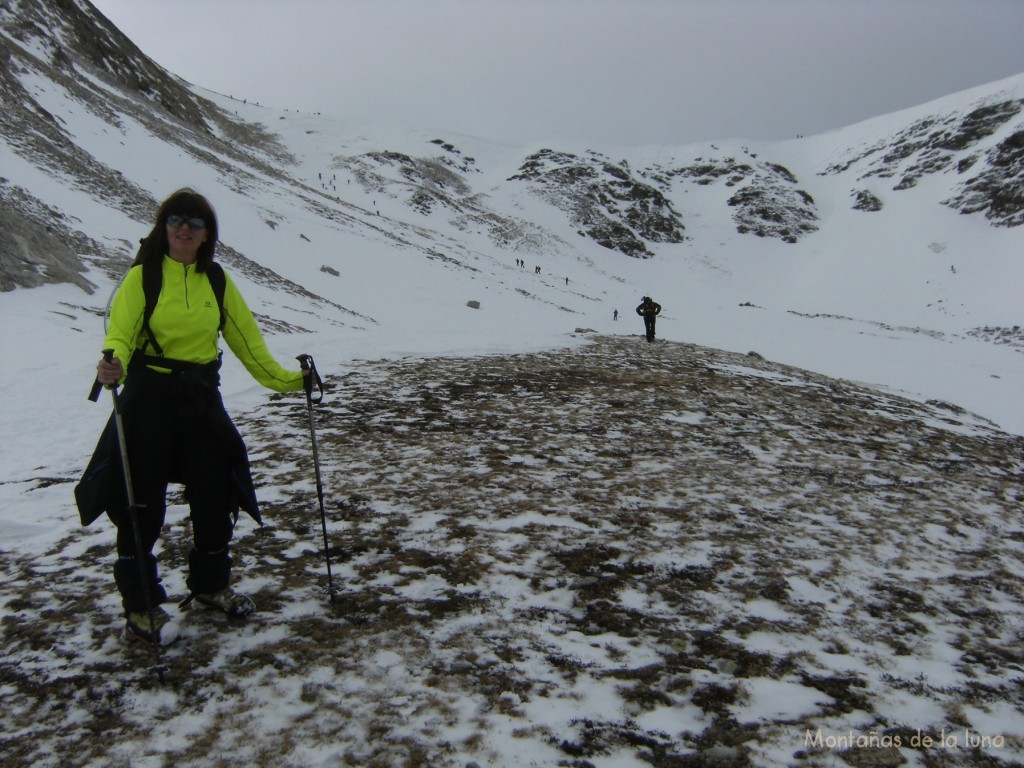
pixel 313 380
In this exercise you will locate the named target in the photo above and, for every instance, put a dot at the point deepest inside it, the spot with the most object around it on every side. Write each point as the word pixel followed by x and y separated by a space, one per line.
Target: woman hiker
pixel 175 425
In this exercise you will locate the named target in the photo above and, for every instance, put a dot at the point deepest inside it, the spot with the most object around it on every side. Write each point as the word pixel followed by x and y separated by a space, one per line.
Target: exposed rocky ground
pixel 767 200
pixel 604 199
pixel 616 554
pixel 992 179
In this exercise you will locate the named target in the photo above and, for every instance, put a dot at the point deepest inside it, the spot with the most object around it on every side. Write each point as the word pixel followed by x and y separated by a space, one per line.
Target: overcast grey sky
pixel 600 71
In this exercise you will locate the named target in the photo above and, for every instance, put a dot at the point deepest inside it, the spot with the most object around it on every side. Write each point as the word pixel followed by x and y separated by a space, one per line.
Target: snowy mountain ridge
pixel 72 45
pixel 855 224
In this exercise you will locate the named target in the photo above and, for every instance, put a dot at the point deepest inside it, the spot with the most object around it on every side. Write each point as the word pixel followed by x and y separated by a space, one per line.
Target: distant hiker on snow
pixel 173 419
pixel 649 310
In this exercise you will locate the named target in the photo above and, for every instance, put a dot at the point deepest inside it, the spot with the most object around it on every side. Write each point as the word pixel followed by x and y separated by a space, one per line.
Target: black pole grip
pixel 311 379
pixel 94 393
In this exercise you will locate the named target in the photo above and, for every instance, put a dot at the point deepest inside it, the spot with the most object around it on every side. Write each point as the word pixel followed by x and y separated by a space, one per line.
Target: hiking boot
pixel 163 630
pixel 227 600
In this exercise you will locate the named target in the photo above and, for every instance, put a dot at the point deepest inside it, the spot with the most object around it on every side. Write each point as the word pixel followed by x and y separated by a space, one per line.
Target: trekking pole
pixel 133 513
pixel 309 380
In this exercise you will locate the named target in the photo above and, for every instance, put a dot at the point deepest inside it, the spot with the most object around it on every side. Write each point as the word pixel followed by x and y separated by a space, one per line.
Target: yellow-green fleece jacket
pixel 185 322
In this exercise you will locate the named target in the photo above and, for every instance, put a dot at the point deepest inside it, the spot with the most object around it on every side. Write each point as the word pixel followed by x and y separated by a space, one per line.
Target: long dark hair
pixel 185 202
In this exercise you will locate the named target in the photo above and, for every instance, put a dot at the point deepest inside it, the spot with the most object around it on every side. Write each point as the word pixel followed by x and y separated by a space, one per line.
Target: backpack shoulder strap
pixel 215 273
pixel 152 282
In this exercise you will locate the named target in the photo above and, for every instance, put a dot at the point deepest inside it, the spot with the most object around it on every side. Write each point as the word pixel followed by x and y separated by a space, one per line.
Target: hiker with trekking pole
pixel 169 423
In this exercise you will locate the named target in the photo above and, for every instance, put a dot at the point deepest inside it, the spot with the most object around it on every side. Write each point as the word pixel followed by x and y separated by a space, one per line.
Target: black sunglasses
pixel 177 222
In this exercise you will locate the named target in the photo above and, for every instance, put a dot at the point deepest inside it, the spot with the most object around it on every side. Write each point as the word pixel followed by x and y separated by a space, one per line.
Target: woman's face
pixel 184 236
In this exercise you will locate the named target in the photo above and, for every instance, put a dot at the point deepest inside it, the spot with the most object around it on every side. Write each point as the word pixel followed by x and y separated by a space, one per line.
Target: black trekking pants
pixel 170 438
pixel 649 326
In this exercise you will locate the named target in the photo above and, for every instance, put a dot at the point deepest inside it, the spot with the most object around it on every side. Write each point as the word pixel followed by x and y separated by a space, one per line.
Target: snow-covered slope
pixel 834 252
